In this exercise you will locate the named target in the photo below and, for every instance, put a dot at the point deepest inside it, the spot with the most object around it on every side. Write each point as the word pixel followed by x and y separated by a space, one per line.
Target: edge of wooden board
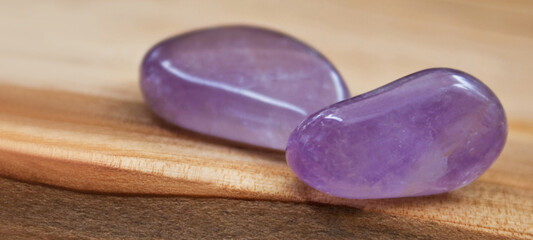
pixel 33 153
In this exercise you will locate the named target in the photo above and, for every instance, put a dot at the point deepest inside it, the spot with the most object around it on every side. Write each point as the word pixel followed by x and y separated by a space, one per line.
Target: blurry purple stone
pixel 241 83
pixel 430 132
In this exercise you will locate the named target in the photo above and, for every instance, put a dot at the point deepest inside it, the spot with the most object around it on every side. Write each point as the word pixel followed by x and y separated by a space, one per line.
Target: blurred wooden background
pixel 71 116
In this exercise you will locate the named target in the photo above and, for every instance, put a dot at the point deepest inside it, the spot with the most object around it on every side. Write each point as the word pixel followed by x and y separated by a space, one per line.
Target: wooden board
pixel 71 113
pixel 32 211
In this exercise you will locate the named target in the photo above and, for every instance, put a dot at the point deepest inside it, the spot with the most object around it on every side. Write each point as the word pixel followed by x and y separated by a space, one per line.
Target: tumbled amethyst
pixel 430 132
pixel 241 83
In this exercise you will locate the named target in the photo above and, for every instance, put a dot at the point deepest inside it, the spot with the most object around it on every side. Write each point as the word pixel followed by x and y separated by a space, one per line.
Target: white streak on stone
pixel 247 93
pixel 337 82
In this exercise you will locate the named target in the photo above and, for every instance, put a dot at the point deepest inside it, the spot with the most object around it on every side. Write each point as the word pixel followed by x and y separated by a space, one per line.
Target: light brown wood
pixel 71 114
pixel 31 211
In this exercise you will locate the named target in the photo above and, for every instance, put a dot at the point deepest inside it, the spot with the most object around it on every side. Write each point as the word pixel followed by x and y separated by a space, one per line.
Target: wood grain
pixel 34 211
pixel 71 114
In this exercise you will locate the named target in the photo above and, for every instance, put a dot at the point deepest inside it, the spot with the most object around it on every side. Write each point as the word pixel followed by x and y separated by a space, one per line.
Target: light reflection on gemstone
pixel 427 133
pixel 245 84
pixel 228 88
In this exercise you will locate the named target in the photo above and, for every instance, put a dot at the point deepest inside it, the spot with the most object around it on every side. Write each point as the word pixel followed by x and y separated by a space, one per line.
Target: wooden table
pixel 72 118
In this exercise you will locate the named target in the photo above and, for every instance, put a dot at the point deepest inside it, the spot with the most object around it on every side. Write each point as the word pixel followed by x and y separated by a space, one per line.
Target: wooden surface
pixel 34 211
pixel 71 113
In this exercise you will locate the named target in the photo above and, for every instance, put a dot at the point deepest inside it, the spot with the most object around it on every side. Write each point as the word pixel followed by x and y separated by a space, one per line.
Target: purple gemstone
pixel 241 83
pixel 430 132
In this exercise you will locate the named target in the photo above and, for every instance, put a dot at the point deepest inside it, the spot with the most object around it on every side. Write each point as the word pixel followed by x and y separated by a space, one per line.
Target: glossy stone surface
pixel 241 83
pixel 430 132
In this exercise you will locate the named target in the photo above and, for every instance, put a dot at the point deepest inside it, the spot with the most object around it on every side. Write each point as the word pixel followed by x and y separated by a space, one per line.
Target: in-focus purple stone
pixel 241 83
pixel 430 132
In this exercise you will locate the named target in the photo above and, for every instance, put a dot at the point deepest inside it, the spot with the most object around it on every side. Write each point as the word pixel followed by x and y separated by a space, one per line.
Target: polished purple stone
pixel 430 132
pixel 241 83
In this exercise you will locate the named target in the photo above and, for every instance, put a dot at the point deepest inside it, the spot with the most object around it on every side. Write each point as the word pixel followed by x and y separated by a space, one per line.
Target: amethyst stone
pixel 241 83
pixel 430 132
